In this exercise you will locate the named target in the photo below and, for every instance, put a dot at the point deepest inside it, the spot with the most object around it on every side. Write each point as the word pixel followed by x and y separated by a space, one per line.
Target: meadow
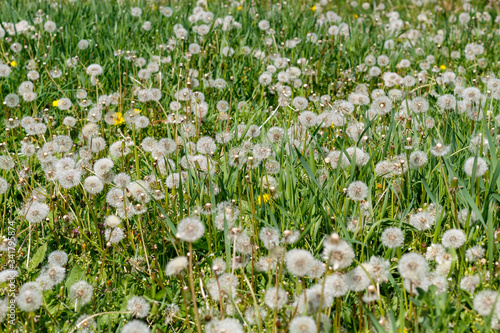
pixel 249 166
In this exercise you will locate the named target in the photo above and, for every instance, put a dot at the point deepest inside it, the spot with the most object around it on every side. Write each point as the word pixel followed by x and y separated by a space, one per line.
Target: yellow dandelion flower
pixel 264 198
pixel 239 7
pixel 313 8
pixel 13 63
pixel 137 111
pixel 442 67
pixel 55 103
pixel 356 16
pixel 118 118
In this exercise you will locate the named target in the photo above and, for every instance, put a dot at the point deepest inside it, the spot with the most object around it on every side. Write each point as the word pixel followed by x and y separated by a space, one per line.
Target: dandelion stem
pixel 191 286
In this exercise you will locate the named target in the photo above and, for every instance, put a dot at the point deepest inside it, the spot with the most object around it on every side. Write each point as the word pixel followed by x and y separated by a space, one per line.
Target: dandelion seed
pixel 4 186
pixel 50 26
pixel 59 258
pixel 36 212
pixel 485 302
pixel 357 191
pixel 413 266
pixel 69 178
pixel 103 166
pixel 87 325
pixel 317 270
pixel 440 150
pixel 302 324
pixel 138 306
pixel 275 299
pixel 337 284
pixel 299 262
pixel 358 279
pixel 11 100
pixel 338 252
pixel 419 105
pixel 453 238
pixel 114 235
pixel 382 105
pixel 4 70
pixel 51 276
pixel 475 253
pixel 93 185
pixel 269 237
pixel 29 300
pixel 478 164
pixel 135 326
pixel 83 44
pixel 206 145
pixel 225 325
pixel 379 269
pixel 190 229
pixel 469 283
pixel 8 274
pixel 418 159
pixel 81 292
pixel 422 221
pixel 176 266
pixel 392 237
pixel 94 70
pixel 308 119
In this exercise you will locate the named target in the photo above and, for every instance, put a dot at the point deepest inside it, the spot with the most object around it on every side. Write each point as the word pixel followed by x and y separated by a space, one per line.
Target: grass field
pixel 253 166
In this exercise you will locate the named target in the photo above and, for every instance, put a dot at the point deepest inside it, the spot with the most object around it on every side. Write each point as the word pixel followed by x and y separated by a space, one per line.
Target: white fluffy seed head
pixel 190 229
pixel 29 300
pixel 357 191
pixel 453 238
pixel 413 267
pixel 299 262
pixel 480 166
pixel 392 237
pixel 176 266
pixel 138 306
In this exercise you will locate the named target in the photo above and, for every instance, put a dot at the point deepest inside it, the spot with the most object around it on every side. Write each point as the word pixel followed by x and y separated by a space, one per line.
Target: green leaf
pixel 76 274
pixel 38 257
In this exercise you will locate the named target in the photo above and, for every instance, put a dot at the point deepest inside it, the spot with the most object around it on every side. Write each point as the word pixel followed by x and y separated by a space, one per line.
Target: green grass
pixel 306 194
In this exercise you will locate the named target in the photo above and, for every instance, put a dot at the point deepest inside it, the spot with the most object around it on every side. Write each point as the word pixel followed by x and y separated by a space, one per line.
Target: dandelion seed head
pixel 135 326
pixel 422 221
pixel 302 324
pixel 475 253
pixel 275 298
pixel 29 300
pixel 485 302
pixel 357 191
pixel 478 163
pixel 413 267
pixel 453 238
pixel 114 235
pixel 138 306
pixel 440 150
pixel 50 276
pixel 469 283
pixel 338 252
pixel 176 266
pixel 59 258
pixel 36 212
pixel 392 237
pixel 299 262
pixel 87 325
pixel 190 229
pixel 93 185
